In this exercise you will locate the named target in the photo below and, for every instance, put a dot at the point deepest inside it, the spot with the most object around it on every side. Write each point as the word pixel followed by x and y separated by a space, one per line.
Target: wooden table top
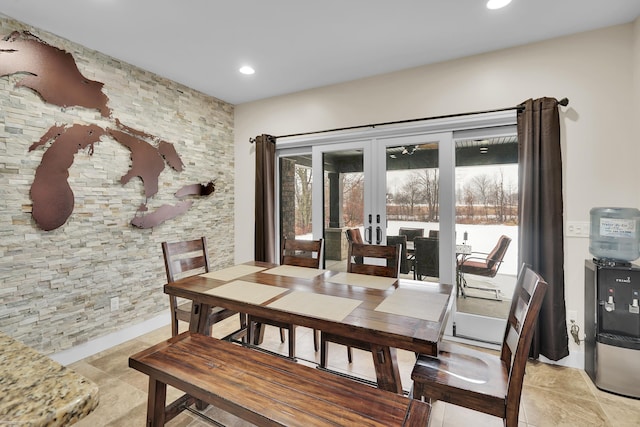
pixel 364 322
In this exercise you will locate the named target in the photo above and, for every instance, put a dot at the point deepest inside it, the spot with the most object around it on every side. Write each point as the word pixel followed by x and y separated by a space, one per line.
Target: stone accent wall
pixel 56 286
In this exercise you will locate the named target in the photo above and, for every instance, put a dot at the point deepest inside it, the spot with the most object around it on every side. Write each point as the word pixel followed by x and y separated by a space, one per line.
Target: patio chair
pixel 411 233
pixel 484 264
pixel 427 258
pixel 479 380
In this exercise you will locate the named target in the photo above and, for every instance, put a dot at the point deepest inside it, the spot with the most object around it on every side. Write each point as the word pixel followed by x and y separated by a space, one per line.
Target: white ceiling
pixel 302 44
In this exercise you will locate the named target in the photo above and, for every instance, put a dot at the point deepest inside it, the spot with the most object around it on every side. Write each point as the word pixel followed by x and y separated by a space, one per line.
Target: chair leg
pixel 316 345
pixel 324 348
pixel 281 334
pixel 350 354
pixel 174 326
pixel 292 341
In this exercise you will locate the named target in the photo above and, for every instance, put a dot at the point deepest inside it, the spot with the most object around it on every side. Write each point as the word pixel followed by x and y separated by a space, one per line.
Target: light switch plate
pixel 577 229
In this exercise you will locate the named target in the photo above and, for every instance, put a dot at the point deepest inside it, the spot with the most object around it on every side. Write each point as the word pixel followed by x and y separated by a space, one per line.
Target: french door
pixel 381 181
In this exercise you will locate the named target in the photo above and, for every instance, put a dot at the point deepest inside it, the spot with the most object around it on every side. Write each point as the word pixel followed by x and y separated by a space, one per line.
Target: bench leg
pixel 156 403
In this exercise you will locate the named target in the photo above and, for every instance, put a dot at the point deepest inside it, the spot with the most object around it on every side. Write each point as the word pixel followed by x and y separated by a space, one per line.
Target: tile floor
pixel 552 395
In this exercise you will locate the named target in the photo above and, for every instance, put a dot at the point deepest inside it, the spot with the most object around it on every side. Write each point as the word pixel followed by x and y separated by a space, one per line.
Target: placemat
pixel 364 280
pixel 412 303
pixel 295 271
pixel 239 290
pixel 234 272
pixel 322 306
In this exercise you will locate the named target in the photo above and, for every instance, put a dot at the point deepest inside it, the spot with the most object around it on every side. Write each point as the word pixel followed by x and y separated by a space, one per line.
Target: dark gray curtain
pixel 541 232
pixel 265 230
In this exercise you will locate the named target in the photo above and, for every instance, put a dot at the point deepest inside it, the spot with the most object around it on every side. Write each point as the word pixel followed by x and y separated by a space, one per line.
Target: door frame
pixel 457 127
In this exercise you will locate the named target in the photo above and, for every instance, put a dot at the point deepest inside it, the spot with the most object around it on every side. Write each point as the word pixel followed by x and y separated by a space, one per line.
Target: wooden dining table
pixel 388 313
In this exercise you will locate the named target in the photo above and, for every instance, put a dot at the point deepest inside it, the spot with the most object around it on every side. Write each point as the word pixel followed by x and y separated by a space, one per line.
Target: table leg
pixel 199 318
pixel 386 364
pixel 156 402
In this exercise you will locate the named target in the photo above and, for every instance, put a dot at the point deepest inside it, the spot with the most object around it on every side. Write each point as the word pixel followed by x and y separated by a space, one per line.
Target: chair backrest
pixel 400 240
pixel 354 235
pixel 302 253
pixel 411 233
pixel 494 259
pixel 434 234
pixel 391 254
pixel 183 259
pixel 525 306
pixel 427 258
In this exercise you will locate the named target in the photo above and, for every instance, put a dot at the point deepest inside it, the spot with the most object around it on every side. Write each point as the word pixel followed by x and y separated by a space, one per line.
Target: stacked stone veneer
pixel 56 286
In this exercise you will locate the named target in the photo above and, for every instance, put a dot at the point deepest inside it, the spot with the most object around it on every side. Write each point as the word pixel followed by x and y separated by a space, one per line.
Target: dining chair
pixel 426 258
pixel 405 264
pixel 483 381
pixel 389 256
pixel 184 259
pixel 300 253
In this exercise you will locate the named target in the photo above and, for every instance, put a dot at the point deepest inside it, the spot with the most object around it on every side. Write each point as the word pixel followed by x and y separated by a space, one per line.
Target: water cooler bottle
pixel 612 301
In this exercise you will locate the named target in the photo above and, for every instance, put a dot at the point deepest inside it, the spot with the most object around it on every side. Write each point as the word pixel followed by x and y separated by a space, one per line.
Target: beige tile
pixel 116 399
pixel 456 416
pixel 557 378
pixel 558 408
pixel 116 362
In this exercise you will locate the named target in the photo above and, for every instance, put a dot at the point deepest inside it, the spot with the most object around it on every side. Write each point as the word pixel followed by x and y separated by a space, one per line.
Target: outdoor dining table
pixel 388 313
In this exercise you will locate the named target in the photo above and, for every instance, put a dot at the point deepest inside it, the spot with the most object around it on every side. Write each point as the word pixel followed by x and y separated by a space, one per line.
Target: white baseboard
pixel 575 359
pixel 79 352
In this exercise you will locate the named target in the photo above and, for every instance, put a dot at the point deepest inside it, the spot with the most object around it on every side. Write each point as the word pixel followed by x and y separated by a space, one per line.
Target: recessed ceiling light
pixel 246 70
pixel 497 4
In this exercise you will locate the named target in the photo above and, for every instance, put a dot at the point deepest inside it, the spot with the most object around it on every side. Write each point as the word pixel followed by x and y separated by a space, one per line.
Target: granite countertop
pixel 37 391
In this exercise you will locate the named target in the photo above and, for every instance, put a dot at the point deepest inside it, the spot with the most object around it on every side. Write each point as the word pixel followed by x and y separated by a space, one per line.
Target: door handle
pixel 367 239
pixel 378 235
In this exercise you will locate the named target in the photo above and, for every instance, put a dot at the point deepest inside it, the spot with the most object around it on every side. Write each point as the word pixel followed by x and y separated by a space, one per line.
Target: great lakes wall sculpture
pixel 53 74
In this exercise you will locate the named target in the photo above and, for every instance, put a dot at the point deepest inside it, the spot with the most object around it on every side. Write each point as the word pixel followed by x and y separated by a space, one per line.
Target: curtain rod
pixel 564 102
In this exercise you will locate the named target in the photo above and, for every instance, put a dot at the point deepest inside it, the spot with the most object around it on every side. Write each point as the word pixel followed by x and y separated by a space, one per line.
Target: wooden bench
pixel 263 389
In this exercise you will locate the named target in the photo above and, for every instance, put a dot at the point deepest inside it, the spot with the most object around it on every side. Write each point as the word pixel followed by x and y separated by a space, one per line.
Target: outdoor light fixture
pixel 409 151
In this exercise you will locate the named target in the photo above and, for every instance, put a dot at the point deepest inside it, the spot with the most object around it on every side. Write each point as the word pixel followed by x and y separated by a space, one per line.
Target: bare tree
pixel 410 195
pixel 482 186
pixel 353 199
pixel 303 199
pixel 429 183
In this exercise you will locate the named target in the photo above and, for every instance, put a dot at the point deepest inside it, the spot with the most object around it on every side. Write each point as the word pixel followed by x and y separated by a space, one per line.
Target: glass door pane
pixel 486 209
pixel 412 206
pixel 295 197
pixel 342 199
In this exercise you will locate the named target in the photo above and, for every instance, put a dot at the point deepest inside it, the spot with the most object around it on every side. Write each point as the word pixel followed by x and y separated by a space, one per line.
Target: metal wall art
pixel 52 73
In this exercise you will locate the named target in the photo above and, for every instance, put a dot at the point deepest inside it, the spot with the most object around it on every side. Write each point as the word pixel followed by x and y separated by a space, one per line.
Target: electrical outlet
pixel 115 303
pixel 577 228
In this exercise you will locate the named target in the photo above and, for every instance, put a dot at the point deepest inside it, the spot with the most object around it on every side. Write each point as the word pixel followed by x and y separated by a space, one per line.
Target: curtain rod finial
pixel 564 102
pixel 252 140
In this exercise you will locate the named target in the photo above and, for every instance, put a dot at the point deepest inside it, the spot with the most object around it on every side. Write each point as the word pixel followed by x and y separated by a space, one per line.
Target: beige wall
pixel 55 287
pixel 596 70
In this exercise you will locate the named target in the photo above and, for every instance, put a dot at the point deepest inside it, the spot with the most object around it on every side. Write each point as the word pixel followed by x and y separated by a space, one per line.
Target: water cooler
pixel 612 301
